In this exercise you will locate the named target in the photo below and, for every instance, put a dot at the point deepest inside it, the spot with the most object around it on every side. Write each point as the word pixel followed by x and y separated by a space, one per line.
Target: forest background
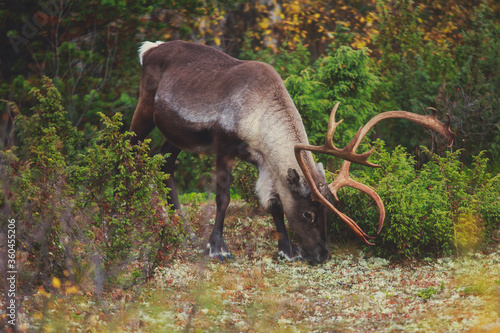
pixel 70 78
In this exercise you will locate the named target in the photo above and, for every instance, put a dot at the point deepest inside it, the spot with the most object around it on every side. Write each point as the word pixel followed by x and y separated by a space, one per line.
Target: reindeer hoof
pixel 218 252
pixel 222 257
pixel 292 255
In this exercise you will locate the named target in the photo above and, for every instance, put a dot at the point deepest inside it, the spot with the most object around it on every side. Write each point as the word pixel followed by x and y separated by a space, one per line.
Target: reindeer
pixel 204 101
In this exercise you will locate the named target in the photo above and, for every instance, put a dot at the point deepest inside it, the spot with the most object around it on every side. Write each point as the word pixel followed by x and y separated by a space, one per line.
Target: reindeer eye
pixel 309 216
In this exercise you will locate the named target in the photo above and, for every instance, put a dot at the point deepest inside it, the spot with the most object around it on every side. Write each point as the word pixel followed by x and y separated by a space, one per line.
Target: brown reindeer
pixel 205 101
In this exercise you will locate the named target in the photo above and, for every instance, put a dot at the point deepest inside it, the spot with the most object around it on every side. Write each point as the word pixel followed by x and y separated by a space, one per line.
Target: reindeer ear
pixel 293 177
pixel 297 185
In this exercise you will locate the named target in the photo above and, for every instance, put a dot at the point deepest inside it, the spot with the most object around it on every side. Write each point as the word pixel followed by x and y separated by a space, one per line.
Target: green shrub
pixel 78 211
pixel 344 76
pixel 286 61
pixel 124 188
pixel 472 96
pixel 195 172
pixel 412 68
pixel 438 210
pixel 36 192
pixel 244 181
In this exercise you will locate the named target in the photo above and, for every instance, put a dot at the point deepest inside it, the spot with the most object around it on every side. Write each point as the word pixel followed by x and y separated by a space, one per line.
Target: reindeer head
pixel 307 218
pixel 320 192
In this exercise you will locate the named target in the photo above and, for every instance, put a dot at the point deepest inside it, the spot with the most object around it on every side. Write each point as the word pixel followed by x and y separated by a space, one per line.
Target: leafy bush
pixel 35 185
pixel 344 76
pixel 244 181
pixel 412 65
pixel 195 172
pixel 80 210
pixel 287 61
pixel 427 69
pixel 437 210
pixel 125 189
pixel 472 96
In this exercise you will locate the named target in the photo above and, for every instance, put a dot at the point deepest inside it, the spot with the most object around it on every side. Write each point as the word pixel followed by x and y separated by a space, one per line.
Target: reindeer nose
pixel 318 256
pixel 323 255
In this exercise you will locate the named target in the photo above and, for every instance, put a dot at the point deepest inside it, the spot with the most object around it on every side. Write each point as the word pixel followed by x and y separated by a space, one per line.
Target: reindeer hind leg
pixel 168 168
pixel 142 121
pixel 216 247
pixel 173 198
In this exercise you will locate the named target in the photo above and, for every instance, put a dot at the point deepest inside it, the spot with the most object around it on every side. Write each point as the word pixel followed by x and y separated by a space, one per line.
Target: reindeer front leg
pixel 216 247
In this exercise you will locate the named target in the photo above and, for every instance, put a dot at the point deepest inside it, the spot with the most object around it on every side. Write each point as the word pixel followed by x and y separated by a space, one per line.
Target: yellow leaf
pixel 295 8
pixel 217 41
pixel 358 44
pixel 72 290
pixel 264 24
pixel 56 282
pixel 42 292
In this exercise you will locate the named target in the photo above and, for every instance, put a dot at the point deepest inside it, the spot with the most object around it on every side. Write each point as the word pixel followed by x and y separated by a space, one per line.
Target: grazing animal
pixel 204 101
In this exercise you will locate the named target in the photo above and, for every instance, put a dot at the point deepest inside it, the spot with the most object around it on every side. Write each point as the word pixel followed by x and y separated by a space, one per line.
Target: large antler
pixel 349 155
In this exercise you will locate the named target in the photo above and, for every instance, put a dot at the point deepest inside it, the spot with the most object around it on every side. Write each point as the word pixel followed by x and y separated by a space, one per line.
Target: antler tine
pixel 332 126
pixel 346 153
pixel 343 179
pixel 450 136
pixel 429 121
pixel 448 130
